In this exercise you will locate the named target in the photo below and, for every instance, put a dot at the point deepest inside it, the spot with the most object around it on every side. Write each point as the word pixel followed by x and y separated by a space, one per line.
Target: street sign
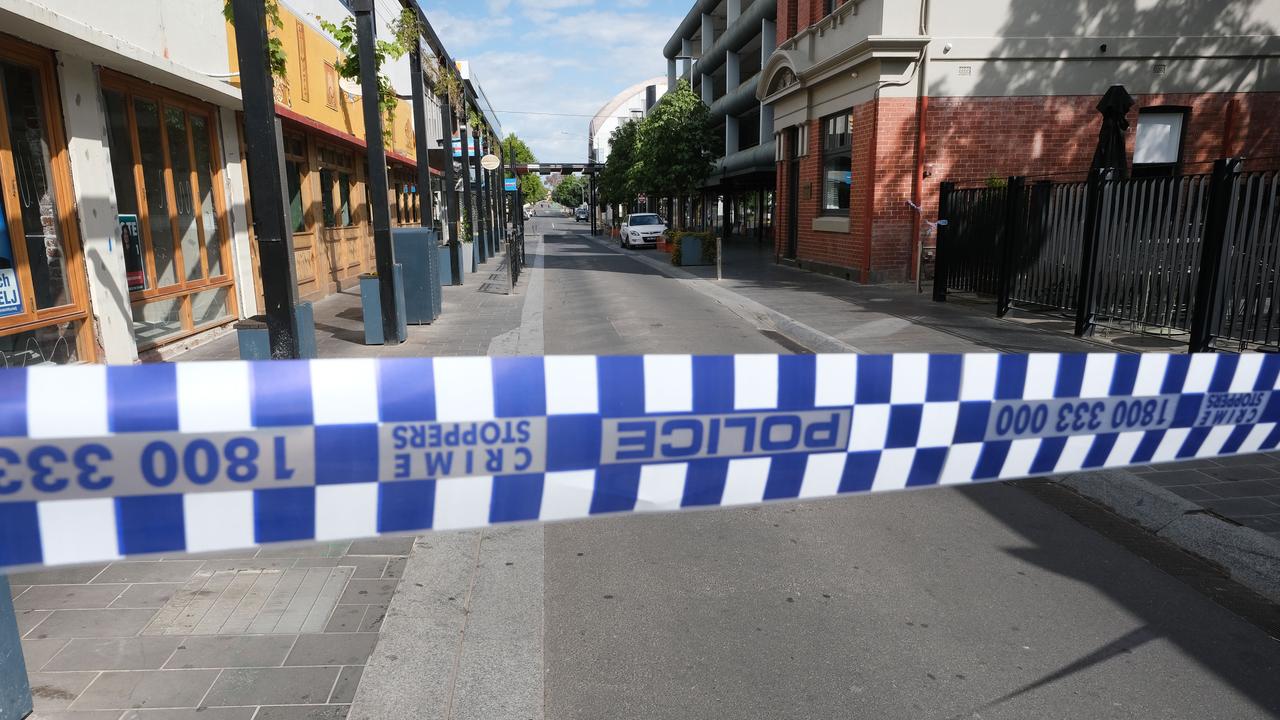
pixel 490 162
pixel 509 184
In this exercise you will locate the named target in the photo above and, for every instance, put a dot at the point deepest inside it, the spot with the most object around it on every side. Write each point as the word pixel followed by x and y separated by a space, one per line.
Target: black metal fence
pixel 1192 256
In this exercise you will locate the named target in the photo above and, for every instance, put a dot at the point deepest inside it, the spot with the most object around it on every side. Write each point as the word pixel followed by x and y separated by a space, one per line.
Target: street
pixel 981 602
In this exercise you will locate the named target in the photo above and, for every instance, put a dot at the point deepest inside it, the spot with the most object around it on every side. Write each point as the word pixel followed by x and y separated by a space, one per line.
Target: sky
pixel 556 56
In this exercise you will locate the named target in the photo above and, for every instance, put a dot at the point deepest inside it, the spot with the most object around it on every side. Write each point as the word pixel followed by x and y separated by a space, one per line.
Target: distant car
pixel 641 229
pixel 580 215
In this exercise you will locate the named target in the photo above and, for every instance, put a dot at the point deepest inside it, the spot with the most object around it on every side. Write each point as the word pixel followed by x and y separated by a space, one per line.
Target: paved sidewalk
pixel 280 633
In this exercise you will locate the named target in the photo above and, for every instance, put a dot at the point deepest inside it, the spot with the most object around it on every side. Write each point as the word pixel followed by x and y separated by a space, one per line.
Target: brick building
pixel 875 102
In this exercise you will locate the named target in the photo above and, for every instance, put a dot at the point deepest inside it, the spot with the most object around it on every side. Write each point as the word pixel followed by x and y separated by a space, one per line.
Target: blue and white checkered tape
pixel 101 462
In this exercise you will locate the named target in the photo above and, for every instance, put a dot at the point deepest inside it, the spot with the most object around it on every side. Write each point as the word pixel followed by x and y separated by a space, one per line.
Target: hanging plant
pixel 404 29
pixel 446 81
pixel 276 59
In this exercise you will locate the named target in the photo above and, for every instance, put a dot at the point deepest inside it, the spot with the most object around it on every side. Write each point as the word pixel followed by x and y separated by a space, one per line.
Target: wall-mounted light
pixel 946 48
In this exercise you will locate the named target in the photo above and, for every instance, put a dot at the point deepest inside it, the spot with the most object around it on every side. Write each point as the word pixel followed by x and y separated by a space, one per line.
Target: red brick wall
pixel 971 139
pixel 785 24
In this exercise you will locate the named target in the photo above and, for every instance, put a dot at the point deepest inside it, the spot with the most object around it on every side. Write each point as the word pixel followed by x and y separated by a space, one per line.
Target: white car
pixel 641 229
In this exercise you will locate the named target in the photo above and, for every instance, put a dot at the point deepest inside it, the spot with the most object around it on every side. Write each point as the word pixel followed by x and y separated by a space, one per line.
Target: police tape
pixel 98 463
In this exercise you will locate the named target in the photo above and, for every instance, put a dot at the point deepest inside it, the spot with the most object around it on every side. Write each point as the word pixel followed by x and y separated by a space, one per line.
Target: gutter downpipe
pixel 871 186
pixel 922 116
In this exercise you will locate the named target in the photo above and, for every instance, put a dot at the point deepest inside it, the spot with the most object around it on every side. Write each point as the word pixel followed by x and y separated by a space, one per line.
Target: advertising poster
pixel 10 293
pixel 132 243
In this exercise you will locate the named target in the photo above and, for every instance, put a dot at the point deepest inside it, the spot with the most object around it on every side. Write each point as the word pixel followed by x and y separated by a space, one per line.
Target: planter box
pixel 255 340
pixel 445 266
pixel 691 251
pixel 371 307
pixel 416 251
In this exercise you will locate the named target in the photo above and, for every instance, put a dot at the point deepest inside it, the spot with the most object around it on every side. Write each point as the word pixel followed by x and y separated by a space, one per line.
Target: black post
pixel 591 192
pixel 450 196
pixel 467 215
pixel 1213 256
pixel 266 179
pixel 380 213
pixel 482 224
pixel 1011 245
pixel 1089 252
pixel 940 250
pixel 420 136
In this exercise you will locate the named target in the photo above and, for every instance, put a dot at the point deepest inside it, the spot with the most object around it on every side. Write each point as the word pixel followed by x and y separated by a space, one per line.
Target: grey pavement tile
pixel 16 590
pixel 300 550
pixel 1244 472
pixel 303 712
pixel 1243 488
pixel 56 691
pixel 63 597
pixel 74 715
pixel 372 621
pixel 395 568
pixel 346 618
pixel 1242 507
pixel 1194 493
pixel 37 652
pixel 146 595
pixel 332 649
pixel 199 713
pixel 382 546
pixel 272 686
pixel 141 653
pixel 344 691
pixel 70 575
pixel 1263 523
pixel 230 651
pixel 149 571
pixel 146 688
pixel 248 564
pixel 369 591
pixel 1251 459
pixel 93 623
pixel 1168 478
pixel 29 619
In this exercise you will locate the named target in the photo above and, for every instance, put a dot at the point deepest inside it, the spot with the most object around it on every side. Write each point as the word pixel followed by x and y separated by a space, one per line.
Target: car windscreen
pixel 645 220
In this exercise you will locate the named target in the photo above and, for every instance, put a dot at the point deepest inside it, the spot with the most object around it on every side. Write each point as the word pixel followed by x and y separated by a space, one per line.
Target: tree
pixel 614 183
pixel 515 150
pixel 674 146
pixel 571 192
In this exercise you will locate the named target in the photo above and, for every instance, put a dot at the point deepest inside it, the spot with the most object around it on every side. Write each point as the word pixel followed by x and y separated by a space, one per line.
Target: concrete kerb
pixel 1250 557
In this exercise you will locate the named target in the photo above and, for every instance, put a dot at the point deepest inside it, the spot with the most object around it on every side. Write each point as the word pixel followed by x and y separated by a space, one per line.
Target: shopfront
pixel 44 307
pixel 172 215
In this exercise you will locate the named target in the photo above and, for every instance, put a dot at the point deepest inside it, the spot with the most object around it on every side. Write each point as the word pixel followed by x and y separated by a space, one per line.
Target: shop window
pixel 1157 148
pixel 837 164
pixel 166 168
pixel 326 197
pixel 43 307
pixel 297 214
pixel 344 200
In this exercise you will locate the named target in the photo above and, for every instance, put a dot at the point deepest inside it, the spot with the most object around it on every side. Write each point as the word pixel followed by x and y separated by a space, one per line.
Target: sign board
pixel 509 184
pixel 10 292
pixel 490 162
pixel 132 242
pixel 457 146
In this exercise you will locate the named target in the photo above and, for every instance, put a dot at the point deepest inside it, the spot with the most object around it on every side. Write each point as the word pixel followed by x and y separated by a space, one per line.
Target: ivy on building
pixel 276 57
pixel 404 31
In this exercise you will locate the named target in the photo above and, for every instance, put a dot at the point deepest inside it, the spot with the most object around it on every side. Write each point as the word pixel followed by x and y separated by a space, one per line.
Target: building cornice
pixel 808 73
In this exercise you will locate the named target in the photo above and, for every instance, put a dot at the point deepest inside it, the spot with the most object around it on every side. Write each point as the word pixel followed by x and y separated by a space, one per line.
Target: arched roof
pixel 618 100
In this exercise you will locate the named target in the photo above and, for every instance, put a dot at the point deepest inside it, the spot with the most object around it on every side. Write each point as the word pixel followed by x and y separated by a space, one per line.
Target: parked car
pixel 581 215
pixel 641 229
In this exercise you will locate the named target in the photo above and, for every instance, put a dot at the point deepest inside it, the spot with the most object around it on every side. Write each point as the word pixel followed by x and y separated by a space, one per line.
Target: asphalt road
pixel 980 602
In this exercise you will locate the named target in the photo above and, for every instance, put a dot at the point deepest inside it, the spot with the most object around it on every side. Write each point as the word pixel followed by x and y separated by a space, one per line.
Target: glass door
pixel 43 301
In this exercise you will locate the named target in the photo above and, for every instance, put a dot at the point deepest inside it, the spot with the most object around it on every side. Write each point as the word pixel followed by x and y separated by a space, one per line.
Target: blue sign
pixel 10 292
pixel 509 184
pixel 457 147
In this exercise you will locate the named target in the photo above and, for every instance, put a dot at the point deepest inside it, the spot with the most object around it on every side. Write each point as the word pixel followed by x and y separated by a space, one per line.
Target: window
pixel 344 200
pixel 837 164
pixel 295 171
pixel 43 302
pixel 1157 149
pixel 166 168
pixel 326 196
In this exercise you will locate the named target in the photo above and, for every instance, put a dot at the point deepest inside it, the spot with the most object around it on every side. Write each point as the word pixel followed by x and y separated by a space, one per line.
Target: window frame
pixel 134 89
pixel 826 152
pixel 1173 169
pixel 41 62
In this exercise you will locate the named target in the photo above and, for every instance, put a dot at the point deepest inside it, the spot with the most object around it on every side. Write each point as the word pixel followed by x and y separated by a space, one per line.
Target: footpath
pixel 1225 510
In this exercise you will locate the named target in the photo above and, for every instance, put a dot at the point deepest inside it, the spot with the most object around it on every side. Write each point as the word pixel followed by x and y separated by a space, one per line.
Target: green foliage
pixel 476 121
pixel 276 59
pixel 708 247
pixel 515 150
pixel 674 145
pixel 405 29
pixel 995 181
pixel 571 191
pixel 446 81
pixel 614 185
